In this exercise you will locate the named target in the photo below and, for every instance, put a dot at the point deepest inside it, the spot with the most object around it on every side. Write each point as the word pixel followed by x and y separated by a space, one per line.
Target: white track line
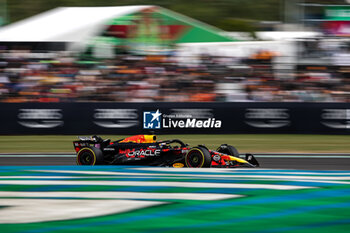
pixel 43 210
pixel 123 195
pixel 155 184
pixel 197 175
pixel 222 170
pixel 42 177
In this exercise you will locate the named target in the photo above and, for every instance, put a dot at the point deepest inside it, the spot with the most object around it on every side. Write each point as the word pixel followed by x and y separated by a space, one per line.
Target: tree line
pixel 230 15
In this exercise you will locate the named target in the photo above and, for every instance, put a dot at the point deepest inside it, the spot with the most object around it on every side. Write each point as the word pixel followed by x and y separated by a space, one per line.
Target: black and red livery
pixel 146 150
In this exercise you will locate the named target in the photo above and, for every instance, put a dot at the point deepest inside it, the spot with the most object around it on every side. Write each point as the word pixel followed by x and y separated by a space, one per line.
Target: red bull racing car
pixel 146 150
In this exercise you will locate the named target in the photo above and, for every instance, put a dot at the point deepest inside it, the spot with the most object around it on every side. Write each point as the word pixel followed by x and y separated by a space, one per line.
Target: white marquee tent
pixel 65 24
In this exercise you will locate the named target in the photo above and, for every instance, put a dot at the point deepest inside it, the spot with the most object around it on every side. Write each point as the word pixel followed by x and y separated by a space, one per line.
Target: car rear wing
pixel 86 142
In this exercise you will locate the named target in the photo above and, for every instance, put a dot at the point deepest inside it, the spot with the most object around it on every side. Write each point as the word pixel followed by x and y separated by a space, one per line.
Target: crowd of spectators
pixel 61 77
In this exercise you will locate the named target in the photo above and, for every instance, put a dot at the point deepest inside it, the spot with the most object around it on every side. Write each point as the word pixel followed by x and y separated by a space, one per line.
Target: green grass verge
pixel 243 142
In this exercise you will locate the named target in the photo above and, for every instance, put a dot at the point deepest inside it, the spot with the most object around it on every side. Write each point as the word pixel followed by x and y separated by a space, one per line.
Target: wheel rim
pixel 195 159
pixel 86 158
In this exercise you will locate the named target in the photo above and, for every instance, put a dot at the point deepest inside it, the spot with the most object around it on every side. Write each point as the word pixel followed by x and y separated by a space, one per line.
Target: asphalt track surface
pixel 304 162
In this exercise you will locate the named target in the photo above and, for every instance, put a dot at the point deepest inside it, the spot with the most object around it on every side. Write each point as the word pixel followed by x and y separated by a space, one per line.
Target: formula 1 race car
pixel 145 150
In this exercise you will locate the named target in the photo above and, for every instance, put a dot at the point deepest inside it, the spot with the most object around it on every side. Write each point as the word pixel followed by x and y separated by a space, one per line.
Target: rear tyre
pixel 90 156
pixel 228 149
pixel 198 157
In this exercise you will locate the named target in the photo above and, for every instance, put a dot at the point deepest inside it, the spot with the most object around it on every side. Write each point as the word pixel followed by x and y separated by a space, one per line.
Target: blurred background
pixel 174 51
pixel 69 67
pixel 270 77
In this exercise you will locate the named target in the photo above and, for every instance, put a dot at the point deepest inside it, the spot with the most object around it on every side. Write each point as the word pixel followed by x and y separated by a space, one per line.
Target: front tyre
pixel 90 156
pixel 228 149
pixel 198 157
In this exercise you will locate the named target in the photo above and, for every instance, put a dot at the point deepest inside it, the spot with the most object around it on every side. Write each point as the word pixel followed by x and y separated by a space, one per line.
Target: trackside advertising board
pixel 174 118
pixel 337 20
pixel 337 13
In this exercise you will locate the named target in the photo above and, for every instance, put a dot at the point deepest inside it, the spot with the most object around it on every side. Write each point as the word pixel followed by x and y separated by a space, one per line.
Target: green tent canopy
pixel 157 29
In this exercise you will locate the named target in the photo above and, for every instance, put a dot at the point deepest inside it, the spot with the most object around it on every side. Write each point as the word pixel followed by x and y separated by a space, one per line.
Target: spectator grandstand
pixel 60 77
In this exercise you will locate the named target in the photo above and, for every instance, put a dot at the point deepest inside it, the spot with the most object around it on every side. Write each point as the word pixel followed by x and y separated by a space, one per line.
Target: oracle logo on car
pixel 144 153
